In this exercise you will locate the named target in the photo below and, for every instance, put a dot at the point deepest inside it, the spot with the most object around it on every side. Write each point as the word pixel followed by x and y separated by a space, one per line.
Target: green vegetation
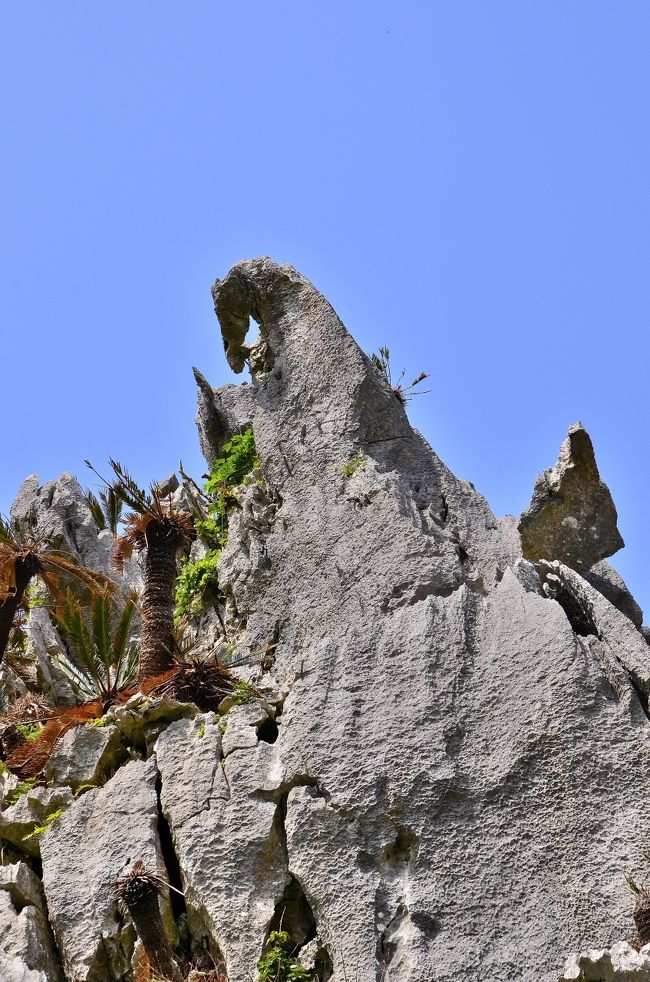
pixel 30 731
pixel 197 584
pixel 49 822
pixel 352 465
pixel 243 692
pixel 25 555
pixel 105 660
pixel 21 789
pixel 106 510
pixel 279 964
pixel 231 470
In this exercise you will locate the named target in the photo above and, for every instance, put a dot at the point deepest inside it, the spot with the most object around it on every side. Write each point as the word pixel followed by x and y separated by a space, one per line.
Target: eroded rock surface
pixel 571 516
pixel 443 771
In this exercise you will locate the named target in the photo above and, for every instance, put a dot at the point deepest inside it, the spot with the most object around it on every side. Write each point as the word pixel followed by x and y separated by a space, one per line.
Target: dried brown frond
pixel 175 527
pixel 31 757
pixel 204 683
pixel 29 708
pixel 642 917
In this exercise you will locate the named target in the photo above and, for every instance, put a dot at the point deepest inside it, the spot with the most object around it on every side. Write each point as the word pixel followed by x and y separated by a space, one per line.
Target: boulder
pixel 226 821
pixel 85 755
pixel 571 516
pixel 611 584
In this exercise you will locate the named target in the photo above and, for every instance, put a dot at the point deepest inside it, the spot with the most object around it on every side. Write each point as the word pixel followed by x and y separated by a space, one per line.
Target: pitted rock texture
pixel 444 770
pixel 571 516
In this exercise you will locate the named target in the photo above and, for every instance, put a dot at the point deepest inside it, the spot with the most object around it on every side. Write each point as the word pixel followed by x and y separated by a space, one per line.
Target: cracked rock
pixel 95 842
pixel 27 951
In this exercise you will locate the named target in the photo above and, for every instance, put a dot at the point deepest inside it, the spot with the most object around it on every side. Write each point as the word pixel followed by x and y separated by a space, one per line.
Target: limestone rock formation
pixel 443 772
pixel 571 516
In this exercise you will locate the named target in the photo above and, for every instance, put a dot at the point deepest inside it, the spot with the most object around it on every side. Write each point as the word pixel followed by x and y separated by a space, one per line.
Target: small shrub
pixel 278 963
pixel 243 692
pixel 231 470
pixel 196 582
pixel 352 465
pixel 30 731
pixel 404 393
pixel 21 789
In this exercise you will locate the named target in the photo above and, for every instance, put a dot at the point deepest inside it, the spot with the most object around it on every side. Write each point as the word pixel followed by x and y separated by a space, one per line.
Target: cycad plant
pixel 106 509
pixel 158 530
pixel 101 664
pixel 102 657
pixel 25 555
pixel 139 891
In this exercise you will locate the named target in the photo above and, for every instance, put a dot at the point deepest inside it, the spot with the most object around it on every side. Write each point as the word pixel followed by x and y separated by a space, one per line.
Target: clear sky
pixel 468 182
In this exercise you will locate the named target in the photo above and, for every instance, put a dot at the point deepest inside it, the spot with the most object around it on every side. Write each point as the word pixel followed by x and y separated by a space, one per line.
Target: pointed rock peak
pixel 571 516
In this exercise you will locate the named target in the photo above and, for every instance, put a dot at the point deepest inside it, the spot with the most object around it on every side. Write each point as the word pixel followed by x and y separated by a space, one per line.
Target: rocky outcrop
pixel 443 772
pixel 571 516
pixel 621 963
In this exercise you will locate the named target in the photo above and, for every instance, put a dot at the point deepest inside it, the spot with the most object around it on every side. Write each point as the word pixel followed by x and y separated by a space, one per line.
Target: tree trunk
pixel 141 899
pixel 25 570
pixel 157 636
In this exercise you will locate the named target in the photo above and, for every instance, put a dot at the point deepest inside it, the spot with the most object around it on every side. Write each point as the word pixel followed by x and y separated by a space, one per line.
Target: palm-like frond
pixel 96 510
pixel 101 660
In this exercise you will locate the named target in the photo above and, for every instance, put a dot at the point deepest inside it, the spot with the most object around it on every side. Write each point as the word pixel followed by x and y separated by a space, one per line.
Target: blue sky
pixel 467 182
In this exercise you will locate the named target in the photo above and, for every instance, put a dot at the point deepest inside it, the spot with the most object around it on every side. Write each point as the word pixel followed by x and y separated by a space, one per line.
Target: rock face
pixel 571 516
pixel 445 772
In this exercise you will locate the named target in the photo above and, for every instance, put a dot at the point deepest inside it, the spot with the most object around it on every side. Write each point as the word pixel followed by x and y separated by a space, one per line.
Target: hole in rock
pixel 268 730
pixel 399 852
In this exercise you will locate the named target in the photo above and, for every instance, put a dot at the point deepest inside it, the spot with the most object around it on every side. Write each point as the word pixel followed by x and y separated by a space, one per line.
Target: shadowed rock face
pixel 455 771
pixel 571 516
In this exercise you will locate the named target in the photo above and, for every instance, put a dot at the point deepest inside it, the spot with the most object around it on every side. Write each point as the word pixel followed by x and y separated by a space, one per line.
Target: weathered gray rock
pixel 18 821
pixel 571 516
pixel 597 622
pixel 620 963
pixel 27 952
pixel 84 755
pixel 448 744
pixel 60 510
pixel 456 772
pixel 225 819
pixel 221 413
pixel 96 841
pixel 611 584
